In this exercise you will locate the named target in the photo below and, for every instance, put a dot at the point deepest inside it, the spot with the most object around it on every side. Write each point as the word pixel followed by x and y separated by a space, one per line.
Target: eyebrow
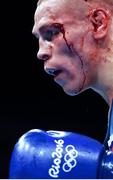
pixel 36 34
pixel 49 25
pixel 45 26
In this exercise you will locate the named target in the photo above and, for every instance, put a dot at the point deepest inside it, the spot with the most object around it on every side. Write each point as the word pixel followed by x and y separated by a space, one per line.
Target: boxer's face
pixel 65 45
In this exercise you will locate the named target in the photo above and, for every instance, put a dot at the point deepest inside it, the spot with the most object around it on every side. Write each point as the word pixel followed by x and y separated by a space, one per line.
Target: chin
pixel 71 92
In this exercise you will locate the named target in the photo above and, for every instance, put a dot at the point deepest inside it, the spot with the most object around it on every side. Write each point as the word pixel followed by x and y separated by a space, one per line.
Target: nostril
pixel 43 57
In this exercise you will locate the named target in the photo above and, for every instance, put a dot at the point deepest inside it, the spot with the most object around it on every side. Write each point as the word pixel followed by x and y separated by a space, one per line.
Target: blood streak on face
pixel 65 45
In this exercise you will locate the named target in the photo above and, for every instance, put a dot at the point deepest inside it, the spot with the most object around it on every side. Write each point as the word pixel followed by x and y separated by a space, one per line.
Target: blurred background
pixel 29 98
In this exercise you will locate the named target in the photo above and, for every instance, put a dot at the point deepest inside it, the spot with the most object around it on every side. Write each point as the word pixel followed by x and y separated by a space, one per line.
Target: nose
pixel 45 50
pixel 43 55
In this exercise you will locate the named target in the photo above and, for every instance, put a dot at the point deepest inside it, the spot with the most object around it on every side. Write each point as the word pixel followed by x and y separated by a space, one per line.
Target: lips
pixel 52 71
pixel 57 74
pixel 59 78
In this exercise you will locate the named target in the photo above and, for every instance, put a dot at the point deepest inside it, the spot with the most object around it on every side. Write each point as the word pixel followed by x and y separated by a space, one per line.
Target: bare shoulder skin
pixel 76 44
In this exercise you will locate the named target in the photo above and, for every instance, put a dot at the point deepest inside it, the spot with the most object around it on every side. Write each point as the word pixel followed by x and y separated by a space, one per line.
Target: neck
pixel 104 85
pixel 107 96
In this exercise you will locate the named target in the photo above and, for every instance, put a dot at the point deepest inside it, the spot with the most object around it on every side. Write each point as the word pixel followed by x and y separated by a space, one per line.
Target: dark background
pixel 29 99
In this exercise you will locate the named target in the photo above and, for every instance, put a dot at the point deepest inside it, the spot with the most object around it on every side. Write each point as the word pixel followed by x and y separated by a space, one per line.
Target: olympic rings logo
pixel 70 158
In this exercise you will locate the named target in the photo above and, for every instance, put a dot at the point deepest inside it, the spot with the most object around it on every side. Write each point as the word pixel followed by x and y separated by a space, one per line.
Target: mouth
pixel 58 78
pixel 53 72
pixel 57 75
pixel 57 72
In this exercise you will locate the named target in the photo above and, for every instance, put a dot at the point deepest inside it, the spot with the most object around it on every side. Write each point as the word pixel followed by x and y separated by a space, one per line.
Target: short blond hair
pixel 105 3
pixel 110 2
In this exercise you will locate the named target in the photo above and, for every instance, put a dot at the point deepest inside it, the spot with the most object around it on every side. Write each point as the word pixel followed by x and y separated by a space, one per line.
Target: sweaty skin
pixel 76 44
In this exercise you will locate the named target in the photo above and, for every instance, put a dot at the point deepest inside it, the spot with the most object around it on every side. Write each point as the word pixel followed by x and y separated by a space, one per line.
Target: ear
pixel 99 18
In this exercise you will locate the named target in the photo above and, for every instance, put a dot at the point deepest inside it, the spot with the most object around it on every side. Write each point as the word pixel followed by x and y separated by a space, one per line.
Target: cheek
pixel 73 69
pixel 75 38
pixel 62 46
pixel 83 56
pixel 69 55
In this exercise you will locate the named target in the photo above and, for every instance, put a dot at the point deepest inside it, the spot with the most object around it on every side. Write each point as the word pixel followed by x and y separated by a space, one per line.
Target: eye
pixel 51 32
